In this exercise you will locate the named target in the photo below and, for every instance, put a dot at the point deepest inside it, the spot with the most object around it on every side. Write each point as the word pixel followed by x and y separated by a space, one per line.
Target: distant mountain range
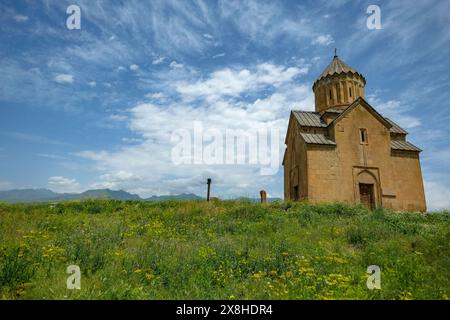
pixel 45 195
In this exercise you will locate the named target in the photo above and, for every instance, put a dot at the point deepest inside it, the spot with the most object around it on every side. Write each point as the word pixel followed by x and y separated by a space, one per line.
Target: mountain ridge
pixel 31 195
pixel 46 195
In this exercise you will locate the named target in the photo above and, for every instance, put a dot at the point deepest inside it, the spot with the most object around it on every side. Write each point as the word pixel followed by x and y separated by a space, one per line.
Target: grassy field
pixel 220 250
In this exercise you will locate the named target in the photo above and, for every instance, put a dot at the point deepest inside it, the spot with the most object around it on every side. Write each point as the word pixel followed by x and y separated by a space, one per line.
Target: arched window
pixel 363 136
pixel 350 91
pixel 331 96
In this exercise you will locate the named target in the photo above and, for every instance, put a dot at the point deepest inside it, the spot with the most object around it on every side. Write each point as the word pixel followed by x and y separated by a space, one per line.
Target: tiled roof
pixel 313 119
pixel 403 145
pixel 337 66
pixel 309 119
pixel 312 138
pixel 396 128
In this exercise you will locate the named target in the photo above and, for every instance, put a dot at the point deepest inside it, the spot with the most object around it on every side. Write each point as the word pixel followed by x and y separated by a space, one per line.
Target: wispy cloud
pixel 323 40
pixel 117 180
pixel 219 55
pixel 21 18
pixel 394 110
pixel 51 156
pixel 134 67
pixel 33 138
pixel 62 184
pixel 176 65
pixel 64 78
pixel 158 60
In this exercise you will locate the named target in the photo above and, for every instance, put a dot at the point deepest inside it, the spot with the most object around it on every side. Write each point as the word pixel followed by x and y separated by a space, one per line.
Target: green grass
pixel 220 250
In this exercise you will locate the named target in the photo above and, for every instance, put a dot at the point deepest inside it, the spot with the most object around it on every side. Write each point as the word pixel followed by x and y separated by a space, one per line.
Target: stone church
pixel 347 152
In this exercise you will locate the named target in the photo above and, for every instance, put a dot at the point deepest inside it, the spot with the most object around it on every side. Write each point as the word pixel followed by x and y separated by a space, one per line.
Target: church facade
pixel 347 152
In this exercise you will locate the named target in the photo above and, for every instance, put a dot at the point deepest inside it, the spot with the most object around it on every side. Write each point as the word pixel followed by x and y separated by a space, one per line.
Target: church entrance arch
pixel 366 195
pixel 366 188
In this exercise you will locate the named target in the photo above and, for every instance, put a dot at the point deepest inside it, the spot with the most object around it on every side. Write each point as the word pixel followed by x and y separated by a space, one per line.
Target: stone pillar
pixel 208 182
pixel 263 197
pixel 352 85
pixel 334 94
pixel 345 90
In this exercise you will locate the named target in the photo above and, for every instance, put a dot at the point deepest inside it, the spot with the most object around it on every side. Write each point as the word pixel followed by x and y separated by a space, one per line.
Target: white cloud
pixel 176 65
pixel 118 117
pixel 117 180
pixel 20 18
pixel 64 78
pixel 437 195
pixel 219 55
pixel 228 82
pixel 323 40
pixel 394 110
pixel 131 140
pixel 62 184
pixel 208 36
pixel 265 22
pixel 92 84
pixel 148 161
pixel 158 60
pixel 157 95
pixel 5 185
pixel 134 67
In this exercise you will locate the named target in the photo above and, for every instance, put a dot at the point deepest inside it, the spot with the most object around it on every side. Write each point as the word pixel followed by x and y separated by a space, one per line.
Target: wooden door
pixel 296 193
pixel 366 195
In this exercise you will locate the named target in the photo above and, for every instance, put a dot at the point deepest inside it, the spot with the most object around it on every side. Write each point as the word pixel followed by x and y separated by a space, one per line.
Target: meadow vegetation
pixel 220 250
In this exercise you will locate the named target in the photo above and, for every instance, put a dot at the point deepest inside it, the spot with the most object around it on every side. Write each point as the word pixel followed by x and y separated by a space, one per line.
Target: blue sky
pixel 95 107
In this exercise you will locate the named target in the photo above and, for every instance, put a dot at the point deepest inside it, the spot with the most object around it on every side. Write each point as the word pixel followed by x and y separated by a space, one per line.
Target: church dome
pixel 337 66
pixel 338 86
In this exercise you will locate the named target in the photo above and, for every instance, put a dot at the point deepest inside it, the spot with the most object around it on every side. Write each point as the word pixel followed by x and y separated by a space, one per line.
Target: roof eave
pixel 338 73
pixel 360 100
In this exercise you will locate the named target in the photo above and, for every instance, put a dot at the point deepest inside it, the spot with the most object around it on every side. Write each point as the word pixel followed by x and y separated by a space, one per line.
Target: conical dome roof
pixel 337 66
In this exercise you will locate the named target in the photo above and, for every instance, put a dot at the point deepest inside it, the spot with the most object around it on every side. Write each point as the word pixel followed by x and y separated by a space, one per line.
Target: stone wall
pixel 408 182
pixel 334 172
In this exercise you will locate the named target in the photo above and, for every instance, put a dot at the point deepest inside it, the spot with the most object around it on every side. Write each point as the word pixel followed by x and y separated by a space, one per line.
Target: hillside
pixel 45 195
pixel 220 250
pixel 27 195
